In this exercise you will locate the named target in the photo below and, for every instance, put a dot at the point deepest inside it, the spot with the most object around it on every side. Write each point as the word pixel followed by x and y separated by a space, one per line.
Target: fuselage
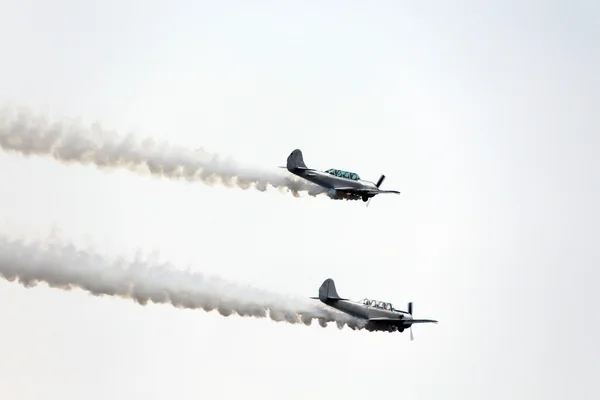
pixel 332 182
pixel 360 310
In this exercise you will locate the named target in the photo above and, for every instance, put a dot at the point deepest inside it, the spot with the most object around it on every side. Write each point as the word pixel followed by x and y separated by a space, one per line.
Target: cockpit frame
pixel 382 305
pixel 343 174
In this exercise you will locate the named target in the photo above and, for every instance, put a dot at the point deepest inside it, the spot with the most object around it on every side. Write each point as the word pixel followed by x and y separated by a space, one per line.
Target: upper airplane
pixel 340 184
pixel 379 315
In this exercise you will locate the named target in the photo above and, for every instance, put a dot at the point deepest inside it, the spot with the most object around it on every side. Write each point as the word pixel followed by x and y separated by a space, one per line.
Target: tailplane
pixel 295 161
pixel 327 291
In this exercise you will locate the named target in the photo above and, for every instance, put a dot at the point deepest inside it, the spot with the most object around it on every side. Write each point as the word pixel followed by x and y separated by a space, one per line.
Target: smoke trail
pixel 70 142
pixel 66 267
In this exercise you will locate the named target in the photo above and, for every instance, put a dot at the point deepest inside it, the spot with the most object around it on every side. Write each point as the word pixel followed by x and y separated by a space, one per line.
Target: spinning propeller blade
pixel 410 311
pixel 379 182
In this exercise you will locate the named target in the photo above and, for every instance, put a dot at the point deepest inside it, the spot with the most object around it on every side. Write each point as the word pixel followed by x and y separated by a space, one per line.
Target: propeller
pixel 379 182
pixel 410 311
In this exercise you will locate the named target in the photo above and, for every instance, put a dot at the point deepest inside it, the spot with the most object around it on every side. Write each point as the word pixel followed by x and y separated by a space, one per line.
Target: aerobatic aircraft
pixel 339 184
pixel 380 316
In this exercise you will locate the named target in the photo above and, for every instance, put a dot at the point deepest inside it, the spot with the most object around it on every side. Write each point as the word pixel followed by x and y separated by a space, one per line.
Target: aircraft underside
pixel 371 327
pixel 341 195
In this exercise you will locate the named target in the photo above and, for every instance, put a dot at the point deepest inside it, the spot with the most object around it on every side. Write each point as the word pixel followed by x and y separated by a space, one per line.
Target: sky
pixel 483 114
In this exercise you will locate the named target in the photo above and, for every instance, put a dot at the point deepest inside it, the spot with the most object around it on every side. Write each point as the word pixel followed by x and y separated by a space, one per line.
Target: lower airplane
pixel 340 184
pixel 380 316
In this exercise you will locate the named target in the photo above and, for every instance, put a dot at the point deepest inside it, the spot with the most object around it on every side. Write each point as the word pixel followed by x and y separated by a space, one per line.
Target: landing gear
pixel 365 198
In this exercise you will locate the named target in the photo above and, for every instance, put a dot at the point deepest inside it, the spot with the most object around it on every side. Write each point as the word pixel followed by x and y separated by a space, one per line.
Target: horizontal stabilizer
pixel 329 298
pixel 298 168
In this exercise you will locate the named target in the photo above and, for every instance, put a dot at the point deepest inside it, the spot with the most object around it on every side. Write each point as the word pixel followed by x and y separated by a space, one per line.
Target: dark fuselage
pixel 391 319
pixel 337 186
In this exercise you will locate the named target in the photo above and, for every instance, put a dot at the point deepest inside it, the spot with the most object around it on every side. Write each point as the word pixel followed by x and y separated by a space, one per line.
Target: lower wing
pixel 385 191
pixel 361 192
pixel 403 321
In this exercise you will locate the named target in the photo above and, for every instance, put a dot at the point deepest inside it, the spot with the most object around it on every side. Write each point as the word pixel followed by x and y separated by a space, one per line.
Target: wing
pixel 386 191
pixel 345 188
pixel 422 321
pixel 376 319
pixel 364 191
pixel 402 321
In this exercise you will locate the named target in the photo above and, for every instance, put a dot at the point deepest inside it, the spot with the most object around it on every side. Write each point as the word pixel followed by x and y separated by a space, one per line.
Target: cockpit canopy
pixel 378 304
pixel 343 174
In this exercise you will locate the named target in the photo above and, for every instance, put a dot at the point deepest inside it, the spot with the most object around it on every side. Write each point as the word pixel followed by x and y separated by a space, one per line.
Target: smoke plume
pixel 66 267
pixel 70 142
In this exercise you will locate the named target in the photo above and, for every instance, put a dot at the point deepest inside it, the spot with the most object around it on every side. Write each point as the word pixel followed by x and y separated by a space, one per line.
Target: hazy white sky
pixel 483 114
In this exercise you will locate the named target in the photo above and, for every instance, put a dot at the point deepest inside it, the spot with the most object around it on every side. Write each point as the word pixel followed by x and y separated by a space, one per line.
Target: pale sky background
pixel 484 115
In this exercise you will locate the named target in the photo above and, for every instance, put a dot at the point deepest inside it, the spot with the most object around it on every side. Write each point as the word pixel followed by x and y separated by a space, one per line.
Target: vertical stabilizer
pixel 295 161
pixel 327 291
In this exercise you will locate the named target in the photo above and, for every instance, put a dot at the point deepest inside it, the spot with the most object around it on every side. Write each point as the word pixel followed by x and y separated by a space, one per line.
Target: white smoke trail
pixel 70 142
pixel 66 267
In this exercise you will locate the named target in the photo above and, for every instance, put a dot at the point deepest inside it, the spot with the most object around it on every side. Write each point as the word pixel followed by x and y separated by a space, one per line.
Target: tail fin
pixel 327 291
pixel 295 161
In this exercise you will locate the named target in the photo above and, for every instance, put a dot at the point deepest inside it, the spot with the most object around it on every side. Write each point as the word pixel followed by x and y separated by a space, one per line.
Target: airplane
pixel 380 316
pixel 339 184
